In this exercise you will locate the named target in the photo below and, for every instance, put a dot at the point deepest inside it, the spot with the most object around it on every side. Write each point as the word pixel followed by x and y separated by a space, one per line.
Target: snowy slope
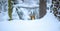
pixel 47 23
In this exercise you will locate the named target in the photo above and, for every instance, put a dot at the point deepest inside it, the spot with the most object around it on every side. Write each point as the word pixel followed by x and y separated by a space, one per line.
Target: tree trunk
pixel 42 6
pixel 10 9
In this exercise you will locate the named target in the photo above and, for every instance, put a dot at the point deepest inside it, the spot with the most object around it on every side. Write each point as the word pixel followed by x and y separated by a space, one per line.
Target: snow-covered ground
pixel 47 23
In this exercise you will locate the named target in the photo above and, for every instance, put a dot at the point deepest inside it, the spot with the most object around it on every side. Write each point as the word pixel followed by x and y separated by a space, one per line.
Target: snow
pixel 4 15
pixel 47 23
pixel 26 10
pixel 3 10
